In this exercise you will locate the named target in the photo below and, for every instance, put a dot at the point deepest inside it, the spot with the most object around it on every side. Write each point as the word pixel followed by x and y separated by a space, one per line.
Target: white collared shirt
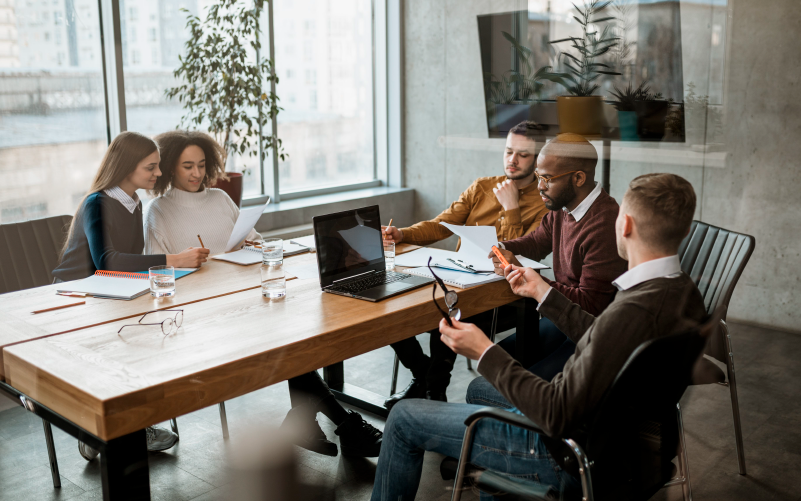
pixel 585 204
pixel 130 203
pixel 656 268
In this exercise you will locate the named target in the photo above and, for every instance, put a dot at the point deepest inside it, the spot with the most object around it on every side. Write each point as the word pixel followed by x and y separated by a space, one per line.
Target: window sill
pixel 293 218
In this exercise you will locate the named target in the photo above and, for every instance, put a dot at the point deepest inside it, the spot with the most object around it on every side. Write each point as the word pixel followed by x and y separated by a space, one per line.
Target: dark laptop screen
pixel 348 243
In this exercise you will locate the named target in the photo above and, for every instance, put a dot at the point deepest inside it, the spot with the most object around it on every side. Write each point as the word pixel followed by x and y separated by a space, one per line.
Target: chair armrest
pixel 504 417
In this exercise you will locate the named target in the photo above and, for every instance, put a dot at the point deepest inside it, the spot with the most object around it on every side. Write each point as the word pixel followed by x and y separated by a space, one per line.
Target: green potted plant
pixel 581 112
pixel 223 84
pixel 641 113
pixel 513 94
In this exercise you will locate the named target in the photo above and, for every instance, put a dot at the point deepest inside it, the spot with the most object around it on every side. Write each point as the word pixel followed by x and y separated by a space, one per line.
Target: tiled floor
pixel 768 375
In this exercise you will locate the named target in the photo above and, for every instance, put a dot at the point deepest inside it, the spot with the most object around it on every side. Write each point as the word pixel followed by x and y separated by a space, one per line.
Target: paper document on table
pixel 477 242
pixel 244 223
pixel 530 263
pixel 419 257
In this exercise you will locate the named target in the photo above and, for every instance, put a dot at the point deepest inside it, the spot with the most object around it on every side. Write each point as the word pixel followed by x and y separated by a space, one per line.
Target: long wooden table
pixel 105 387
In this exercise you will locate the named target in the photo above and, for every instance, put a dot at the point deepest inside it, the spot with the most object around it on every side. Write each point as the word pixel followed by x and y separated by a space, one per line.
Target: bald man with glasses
pixel 579 230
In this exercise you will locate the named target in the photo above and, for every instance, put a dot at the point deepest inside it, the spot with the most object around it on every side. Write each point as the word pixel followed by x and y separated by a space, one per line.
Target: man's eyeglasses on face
pixel 168 325
pixel 546 180
pixel 450 299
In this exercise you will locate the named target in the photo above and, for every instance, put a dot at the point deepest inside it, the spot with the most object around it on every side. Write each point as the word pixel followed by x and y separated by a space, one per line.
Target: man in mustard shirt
pixel 513 205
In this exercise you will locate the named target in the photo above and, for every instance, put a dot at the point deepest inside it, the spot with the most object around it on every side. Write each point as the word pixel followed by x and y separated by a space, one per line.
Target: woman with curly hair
pixel 186 206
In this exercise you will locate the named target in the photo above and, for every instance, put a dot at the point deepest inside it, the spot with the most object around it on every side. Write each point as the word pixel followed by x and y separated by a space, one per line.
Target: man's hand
pixel 496 263
pixel 464 339
pixel 526 282
pixel 392 234
pixel 507 194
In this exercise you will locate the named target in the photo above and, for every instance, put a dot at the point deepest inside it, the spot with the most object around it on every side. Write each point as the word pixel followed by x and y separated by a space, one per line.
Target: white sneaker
pixel 159 439
pixel 88 452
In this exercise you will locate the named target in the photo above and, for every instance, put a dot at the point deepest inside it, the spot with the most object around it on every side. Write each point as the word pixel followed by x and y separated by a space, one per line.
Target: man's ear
pixel 581 178
pixel 628 225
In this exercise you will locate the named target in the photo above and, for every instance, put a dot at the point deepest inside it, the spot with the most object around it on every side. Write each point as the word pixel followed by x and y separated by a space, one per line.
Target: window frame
pixel 386 95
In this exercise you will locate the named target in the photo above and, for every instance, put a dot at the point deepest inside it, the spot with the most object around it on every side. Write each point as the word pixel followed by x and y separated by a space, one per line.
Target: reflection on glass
pixel 52 117
pixel 323 56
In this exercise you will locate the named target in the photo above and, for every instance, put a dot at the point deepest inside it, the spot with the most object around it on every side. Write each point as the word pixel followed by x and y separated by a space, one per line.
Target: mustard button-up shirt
pixel 478 205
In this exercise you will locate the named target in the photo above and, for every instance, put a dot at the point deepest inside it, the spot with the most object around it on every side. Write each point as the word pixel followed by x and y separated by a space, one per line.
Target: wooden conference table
pixel 73 369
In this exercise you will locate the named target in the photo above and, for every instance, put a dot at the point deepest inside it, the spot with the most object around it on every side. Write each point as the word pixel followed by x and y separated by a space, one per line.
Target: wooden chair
pixel 715 258
pixel 626 451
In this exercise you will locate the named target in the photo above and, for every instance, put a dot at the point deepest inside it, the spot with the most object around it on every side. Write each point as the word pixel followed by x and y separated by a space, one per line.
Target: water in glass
pixel 272 251
pixel 389 254
pixel 162 281
pixel 273 281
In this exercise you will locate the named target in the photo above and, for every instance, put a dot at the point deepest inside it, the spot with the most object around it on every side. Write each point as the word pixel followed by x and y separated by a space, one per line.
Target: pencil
pixel 57 307
pixel 390 223
pixel 201 241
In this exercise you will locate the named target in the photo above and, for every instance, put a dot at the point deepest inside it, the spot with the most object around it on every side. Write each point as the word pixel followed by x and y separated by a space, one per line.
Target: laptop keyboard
pixel 381 278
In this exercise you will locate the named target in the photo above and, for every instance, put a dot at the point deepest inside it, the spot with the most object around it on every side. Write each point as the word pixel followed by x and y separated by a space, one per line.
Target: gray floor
pixel 768 372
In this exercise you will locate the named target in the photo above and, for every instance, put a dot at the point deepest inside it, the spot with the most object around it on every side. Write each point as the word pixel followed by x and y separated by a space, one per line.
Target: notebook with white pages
pixel 109 285
pixel 251 255
pixel 307 241
pixel 461 279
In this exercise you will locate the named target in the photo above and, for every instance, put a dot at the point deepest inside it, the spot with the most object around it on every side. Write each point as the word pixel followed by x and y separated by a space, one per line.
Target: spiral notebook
pixel 252 255
pixel 110 285
pixel 461 279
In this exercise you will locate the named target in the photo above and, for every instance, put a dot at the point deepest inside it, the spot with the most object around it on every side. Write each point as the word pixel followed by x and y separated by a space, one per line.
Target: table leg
pixel 124 468
pixel 528 331
pixel 334 376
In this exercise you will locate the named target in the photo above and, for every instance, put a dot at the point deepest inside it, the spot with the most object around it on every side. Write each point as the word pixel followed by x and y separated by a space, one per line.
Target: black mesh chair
pixel 28 254
pixel 715 258
pixel 627 451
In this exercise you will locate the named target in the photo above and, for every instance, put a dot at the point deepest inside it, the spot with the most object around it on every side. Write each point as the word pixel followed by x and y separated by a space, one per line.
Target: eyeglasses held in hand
pixel 450 299
pixel 168 325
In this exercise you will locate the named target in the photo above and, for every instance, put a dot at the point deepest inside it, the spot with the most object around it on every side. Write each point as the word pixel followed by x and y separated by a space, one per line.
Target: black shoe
pixel 306 432
pixel 416 389
pixel 436 395
pixel 357 437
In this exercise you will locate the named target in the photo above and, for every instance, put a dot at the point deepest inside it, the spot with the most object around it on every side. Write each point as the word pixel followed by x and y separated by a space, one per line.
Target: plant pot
pixel 233 186
pixel 651 119
pixel 627 122
pixel 580 114
pixel 509 115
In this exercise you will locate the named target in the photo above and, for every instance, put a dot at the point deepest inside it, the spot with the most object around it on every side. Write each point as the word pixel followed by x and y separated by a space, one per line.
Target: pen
pixel 57 307
pixel 201 241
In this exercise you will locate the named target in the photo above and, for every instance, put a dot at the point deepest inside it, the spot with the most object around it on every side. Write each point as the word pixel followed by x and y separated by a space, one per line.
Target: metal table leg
pixel 334 376
pixel 124 468
pixel 528 331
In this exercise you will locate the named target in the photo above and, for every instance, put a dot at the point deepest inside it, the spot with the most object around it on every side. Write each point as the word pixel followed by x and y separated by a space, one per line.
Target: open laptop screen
pixel 348 243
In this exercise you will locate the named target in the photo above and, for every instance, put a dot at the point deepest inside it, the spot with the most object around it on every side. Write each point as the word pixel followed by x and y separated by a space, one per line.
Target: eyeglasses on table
pixel 168 325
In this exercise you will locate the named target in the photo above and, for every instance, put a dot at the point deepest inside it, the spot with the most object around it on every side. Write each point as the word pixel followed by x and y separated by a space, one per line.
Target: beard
pixel 524 173
pixel 562 199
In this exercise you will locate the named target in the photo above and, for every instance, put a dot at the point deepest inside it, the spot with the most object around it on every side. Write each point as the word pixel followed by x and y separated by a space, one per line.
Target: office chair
pixel 715 258
pixel 626 451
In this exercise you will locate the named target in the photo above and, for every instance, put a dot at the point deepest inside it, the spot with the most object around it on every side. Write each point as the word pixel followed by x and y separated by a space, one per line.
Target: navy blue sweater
pixel 105 236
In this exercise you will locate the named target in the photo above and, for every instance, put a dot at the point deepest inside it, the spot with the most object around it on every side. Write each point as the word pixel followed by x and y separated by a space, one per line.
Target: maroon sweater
pixel 585 258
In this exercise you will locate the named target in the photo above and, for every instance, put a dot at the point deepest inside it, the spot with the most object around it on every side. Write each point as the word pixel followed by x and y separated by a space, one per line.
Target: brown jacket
pixel 478 205
pixel 649 310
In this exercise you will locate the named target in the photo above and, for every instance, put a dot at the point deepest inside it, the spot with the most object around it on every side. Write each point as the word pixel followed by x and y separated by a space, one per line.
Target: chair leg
pixel 469 364
pixel 51 453
pixel 224 420
pixel 494 328
pixel 735 404
pixel 394 386
pixel 684 464
pixel 174 426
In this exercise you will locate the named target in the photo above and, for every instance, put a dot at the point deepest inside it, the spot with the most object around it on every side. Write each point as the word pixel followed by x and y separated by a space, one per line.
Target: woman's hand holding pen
pixel 192 257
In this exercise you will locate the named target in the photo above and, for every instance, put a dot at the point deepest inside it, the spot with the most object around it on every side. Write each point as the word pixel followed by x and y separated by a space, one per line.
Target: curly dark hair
pixel 172 144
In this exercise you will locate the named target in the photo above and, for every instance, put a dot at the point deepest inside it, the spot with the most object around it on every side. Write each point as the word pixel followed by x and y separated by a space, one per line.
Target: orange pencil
pixel 201 241
pixel 58 307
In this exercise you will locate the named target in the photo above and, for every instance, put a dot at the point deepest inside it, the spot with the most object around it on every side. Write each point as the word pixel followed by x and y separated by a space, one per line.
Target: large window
pixel 52 117
pixel 55 125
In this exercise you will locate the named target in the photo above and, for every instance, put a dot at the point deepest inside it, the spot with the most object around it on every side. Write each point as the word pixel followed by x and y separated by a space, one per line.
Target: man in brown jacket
pixel 509 202
pixel 655 299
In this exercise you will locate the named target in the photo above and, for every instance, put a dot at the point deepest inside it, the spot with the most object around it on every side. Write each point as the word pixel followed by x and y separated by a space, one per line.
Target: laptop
pixel 350 257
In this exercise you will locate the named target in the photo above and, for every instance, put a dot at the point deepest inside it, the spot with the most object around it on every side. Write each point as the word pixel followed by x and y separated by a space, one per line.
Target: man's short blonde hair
pixel 662 206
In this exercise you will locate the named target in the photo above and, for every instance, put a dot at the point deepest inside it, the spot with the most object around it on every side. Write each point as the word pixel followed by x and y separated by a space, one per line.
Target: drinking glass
pixel 162 281
pixel 389 254
pixel 272 251
pixel 273 281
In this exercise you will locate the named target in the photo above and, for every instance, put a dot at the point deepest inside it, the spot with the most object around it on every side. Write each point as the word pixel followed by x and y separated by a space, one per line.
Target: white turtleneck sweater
pixel 174 220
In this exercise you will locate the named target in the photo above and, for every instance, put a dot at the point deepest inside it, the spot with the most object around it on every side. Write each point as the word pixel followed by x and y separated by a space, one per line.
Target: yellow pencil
pixel 390 223
pixel 201 241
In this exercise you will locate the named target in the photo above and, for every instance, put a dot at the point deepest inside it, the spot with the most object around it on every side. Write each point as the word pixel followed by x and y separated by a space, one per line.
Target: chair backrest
pixel 29 252
pixel 633 437
pixel 715 258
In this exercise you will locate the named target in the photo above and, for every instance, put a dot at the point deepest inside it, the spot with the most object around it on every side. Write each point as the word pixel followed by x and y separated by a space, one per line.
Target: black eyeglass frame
pixel 451 298
pixel 176 321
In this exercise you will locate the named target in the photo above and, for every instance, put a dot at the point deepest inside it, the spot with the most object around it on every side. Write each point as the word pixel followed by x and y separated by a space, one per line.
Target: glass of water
pixel 273 281
pixel 272 251
pixel 389 254
pixel 162 281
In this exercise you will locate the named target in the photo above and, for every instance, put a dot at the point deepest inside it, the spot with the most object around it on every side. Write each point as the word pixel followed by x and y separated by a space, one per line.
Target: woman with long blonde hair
pixel 106 232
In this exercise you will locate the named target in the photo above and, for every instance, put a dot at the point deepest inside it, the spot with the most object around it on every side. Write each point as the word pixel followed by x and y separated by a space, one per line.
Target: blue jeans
pixel 416 426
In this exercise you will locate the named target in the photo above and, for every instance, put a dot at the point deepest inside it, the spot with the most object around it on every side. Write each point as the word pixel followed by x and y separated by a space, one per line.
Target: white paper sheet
pixel 477 242
pixel 419 257
pixel 244 223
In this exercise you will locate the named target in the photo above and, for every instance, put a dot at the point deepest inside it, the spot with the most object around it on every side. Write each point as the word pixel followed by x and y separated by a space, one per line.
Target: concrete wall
pixel 749 183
